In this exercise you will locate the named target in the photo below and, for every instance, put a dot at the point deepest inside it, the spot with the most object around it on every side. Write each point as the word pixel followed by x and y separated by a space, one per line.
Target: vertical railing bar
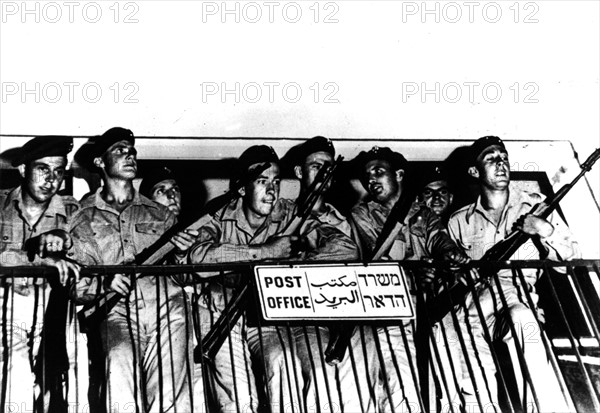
pixel 584 304
pixel 136 352
pixel 294 370
pixel 452 368
pixel 161 384
pixel 165 280
pixel 324 367
pixel 312 368
pixel 73 316
pixel 489 342
pixel 520 355
pixel 231 356
pixel 571 337
pixel 262 358
pixel 365 348
pixel 5 335
pixel 547 345
pixel 355 373
pixel 438 358
pixel 382 365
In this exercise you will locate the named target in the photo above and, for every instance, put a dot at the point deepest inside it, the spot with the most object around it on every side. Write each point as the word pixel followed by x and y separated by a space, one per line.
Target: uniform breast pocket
pixel 105 235
pixel 147 232
pixel 474 247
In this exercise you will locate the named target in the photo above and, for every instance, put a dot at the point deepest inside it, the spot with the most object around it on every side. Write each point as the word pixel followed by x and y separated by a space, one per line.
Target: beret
pixel 42 146
pixel 97 145
pixel 154 177
pixel 251 156
pixel 313 145
pixel 395 159
pixel 433 174
pixel 481 145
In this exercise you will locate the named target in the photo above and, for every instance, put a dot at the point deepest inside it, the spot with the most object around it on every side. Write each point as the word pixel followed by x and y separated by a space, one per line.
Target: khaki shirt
pixel 474 231
pixel 16 230
pixel 103 235
pixel 424 237
pixel 229 238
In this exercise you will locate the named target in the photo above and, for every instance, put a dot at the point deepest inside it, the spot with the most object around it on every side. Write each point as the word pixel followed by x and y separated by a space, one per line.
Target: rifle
pixel 505 249
pixel 339 338
pixel 91 315
pixel 215 338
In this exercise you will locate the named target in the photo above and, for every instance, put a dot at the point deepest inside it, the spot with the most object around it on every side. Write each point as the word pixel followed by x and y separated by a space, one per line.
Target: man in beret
pixel 498 211
pixel 244 230
pixel 33 218
pixel 383 174
pixel 327 237
pixel 161 186
pixel 436 193
pixel 144 336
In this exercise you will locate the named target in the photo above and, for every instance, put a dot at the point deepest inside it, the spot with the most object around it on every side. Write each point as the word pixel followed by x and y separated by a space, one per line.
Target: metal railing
pixel 484 355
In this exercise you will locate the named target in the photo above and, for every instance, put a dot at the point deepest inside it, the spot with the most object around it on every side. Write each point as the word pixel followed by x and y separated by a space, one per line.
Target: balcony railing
pixel 445 362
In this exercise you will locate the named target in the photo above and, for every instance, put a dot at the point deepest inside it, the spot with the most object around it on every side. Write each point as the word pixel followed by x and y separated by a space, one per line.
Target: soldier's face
pixel 382 182
pixel 261 194
pixel 167 193
pixel 311 167
pixel 43 177
pixel 493 168
pixel 437 197
pixel 119 161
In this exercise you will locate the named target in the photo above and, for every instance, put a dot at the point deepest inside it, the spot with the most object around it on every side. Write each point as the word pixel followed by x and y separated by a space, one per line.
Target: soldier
pixel 144 335
pixel 498 211
pixel 328 235
pixel 161 186
pixel 33 216
pixel 436 193
pixel 383 175
pixel 244 230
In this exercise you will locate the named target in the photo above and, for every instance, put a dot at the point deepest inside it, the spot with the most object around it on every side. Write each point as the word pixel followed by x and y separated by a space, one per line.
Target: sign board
pixel 324 292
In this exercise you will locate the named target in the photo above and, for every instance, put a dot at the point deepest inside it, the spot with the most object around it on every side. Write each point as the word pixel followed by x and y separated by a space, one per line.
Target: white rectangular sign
pixel 325 292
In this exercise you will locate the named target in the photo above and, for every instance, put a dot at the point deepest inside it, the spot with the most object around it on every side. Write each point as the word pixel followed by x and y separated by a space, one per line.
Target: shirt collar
pixel 55 207
pixel 514 197
pixel 138 199
pixel 235 212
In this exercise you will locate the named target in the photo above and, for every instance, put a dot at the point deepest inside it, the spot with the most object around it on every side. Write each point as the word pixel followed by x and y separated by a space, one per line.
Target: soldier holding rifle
pixel 144 336
pixel 328 234
pixel 499 211
pixel 261 226
pixel 391 351
pixel 34 214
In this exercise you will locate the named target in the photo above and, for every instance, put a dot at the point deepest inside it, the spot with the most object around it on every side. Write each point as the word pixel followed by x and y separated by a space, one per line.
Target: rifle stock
pixel 91 315
pixel 505 249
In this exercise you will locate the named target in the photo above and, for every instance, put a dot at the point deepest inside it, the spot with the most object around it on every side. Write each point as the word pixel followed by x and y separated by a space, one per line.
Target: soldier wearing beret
pixel 383 173
pixel 436 193
pixel 497 212
pixel 244 230
pixel 326 236
pixel 161 186
pixel 33 218
pixel 144 337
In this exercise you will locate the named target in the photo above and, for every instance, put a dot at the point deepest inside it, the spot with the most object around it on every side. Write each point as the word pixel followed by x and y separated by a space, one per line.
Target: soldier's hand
pixel 532 225
pixel 184 240
pixel 280 247
pixel 54 241
pixel 118 283
pixel 473 274
pixel 456 257
pixel 64 268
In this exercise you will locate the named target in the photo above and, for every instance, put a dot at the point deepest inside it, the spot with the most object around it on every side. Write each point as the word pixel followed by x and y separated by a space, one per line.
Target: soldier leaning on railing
pixel 495 215
pixel 28 212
